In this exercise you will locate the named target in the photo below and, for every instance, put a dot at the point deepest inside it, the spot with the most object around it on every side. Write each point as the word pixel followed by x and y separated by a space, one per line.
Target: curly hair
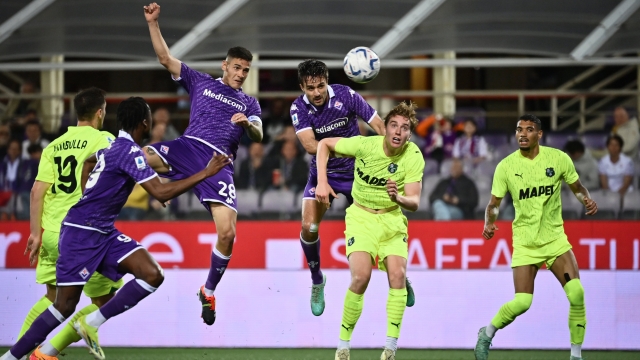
pixel 406 110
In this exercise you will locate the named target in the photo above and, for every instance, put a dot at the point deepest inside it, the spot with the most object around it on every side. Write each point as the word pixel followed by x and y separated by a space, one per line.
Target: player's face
pixel 235 72
pixel 398 131
pixel 527 135
pixel 614 147
pixel 316 90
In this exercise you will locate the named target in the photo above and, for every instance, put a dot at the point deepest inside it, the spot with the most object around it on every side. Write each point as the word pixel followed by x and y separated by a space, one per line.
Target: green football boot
pixel 317 297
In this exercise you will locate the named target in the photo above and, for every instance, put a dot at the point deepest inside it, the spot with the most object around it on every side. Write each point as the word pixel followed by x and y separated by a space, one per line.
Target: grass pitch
pixel 328 354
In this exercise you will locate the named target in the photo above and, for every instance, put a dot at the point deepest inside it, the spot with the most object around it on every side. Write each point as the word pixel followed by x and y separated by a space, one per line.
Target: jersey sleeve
pixel 135 165
pixel 109 137
pixel 254 112
pixel 299 118
pixel 415 166
pixel 499 187
pixel 569 174
pixel 350 146
pixel 46 168
pixel 361 107
pixel 188 77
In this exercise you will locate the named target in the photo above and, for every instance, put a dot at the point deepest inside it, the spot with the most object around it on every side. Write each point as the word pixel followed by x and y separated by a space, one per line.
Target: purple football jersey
pixel 336 118
pixel 119 168
pixel 212 105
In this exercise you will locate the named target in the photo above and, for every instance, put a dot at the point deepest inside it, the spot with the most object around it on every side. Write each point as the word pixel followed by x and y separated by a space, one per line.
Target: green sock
pixel 37 309
pixel 68 334
pixel 396 303
pixel 353 304
pixel 577 312
pixel 509 311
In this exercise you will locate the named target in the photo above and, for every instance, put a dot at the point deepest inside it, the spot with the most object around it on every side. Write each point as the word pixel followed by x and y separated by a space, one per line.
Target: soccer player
pixel 56 189
pixel 220 113
pixel 388 176
pixel 325 111
pixel 89 242
pixel 533 176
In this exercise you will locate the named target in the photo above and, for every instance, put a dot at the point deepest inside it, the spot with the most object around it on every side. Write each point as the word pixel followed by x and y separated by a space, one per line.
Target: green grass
pixel 327 354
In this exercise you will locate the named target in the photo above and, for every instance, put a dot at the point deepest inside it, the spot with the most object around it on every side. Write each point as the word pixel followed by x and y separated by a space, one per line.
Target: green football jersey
pixel 534 186
pixel 61 166
pixel 373 167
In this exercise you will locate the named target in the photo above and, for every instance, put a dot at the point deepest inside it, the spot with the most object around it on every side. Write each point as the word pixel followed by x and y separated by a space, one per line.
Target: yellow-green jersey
pixel 61 165
pixel 534 186
pixel 373 167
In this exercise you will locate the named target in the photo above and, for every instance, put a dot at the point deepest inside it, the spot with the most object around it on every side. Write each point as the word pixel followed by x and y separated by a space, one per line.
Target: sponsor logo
pixel 392 168
pixel 404 239
pixel 371 180
pixel 294 119
pixel 164 149
pixel 310 112
pixel 337 123
pixel 134 149
pixel 536 191
pixel 520 175
pixel 312 264
pixel 239 105
pixel 351 241
pixel 346 327
pixel 140 163
pixel 110 139
pixel 337 105
pixel 352 92
pixel 221 269
pixel 229 201
pixel 84 273
pixel 550 172
pixel 363 163
pixel 294 107
pixel 394 324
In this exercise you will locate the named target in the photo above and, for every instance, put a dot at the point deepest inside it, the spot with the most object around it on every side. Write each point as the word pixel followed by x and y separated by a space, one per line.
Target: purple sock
pixel 37 333
pixel 312 253
pixel 219 264
pixel 126 298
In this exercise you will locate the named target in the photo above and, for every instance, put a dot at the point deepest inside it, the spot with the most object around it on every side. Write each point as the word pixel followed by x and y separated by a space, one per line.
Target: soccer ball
pixel 361 64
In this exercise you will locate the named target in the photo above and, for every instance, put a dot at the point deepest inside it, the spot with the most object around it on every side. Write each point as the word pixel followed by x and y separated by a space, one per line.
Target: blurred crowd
pixel 460 160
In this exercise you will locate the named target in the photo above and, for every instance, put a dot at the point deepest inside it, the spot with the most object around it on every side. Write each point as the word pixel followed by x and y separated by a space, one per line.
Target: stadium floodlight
pixel 205 27
pixel 607 27
pixel 404 27
pixel 21 17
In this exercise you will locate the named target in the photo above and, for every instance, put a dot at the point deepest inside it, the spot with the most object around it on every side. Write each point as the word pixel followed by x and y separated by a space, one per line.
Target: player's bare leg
pixel 565 269
pixel 148 277
pixel 312 213
pixel 396 302
pixel 523 281
pixel 225 219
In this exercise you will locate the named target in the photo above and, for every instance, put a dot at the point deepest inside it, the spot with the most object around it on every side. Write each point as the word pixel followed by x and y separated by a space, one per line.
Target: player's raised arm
pixel 377 125
pixel 490 217
pixel 582 194
pixel 151 14
pixel 165 192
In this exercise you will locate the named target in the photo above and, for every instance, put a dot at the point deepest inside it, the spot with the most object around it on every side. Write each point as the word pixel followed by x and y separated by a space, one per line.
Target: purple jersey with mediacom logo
pixel 336 118
pixel 212 105
pixel 119 168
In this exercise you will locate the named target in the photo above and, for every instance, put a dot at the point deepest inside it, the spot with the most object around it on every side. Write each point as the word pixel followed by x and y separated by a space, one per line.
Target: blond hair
pixel 406 110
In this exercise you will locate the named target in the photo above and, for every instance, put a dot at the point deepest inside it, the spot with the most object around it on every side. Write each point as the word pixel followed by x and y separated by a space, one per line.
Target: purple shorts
pixel 83 252
pixel 187 156
pixel 340 182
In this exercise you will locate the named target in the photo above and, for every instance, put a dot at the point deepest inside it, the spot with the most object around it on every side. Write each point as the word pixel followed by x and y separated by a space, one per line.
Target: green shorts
pixel 97 285
pixel 379 235
pixel 538 255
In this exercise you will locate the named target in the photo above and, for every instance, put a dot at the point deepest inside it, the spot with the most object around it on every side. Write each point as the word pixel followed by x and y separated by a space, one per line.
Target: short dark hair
pixel 88 101
pixel 574 147
pixel 534 119
pixel 33 122
pixel 238 52
pixel 131 113
pixel 312 68
pixel 617 138
pixel 34 148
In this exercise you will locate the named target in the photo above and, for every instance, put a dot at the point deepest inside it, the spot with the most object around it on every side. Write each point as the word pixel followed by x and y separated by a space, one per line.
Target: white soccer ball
pixel 361 64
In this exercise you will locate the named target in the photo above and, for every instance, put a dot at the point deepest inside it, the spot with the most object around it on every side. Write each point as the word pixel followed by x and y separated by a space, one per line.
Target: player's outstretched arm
pixel 378 125
pixel 411 198
pixel 582 194
pixel 36 204
pixel 325 148
pixel 308 141
pixel 165 192
pixel 151 14
pixel 490 217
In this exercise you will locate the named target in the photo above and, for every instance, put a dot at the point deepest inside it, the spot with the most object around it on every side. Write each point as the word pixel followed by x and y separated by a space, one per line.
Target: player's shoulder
pixel 342 90
pixel 553 154
pixel 298 104
pixel 413 150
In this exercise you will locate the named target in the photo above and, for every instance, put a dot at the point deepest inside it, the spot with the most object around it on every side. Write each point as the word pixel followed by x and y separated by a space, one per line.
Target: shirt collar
pixel 329 90
pixel 125 135
pixel 222 82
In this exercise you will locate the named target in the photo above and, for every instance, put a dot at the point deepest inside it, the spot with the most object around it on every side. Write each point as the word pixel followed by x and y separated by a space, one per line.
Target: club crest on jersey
pixel 164 149
pixel 392 168
pixel 351 241
pixel 312 191
pixel 550 172
pixel 140 163
pixel 337 105
pixel 84 273
pixel 294 119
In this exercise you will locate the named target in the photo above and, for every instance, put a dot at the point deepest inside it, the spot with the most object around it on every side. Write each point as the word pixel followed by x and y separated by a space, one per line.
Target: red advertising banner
pixel 598 245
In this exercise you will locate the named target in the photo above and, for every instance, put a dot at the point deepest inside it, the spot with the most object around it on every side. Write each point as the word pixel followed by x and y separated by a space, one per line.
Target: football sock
pixel 67 335
pixel 353 304
pixel 312 253
pixel 35 311
pixel 490 330
pixel 577 312
pixel 392 343
pixel 37 333
pixel 576 350
pixel 509 311
pixel 344 344
pixel 8 356
pixel 218 265
pixel 126 298
pixel 396 303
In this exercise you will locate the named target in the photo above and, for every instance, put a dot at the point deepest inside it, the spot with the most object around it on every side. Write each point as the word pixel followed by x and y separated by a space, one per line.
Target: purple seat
pixel 558 140
pixel 595 140
pixel 496 140
pixel 478 114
